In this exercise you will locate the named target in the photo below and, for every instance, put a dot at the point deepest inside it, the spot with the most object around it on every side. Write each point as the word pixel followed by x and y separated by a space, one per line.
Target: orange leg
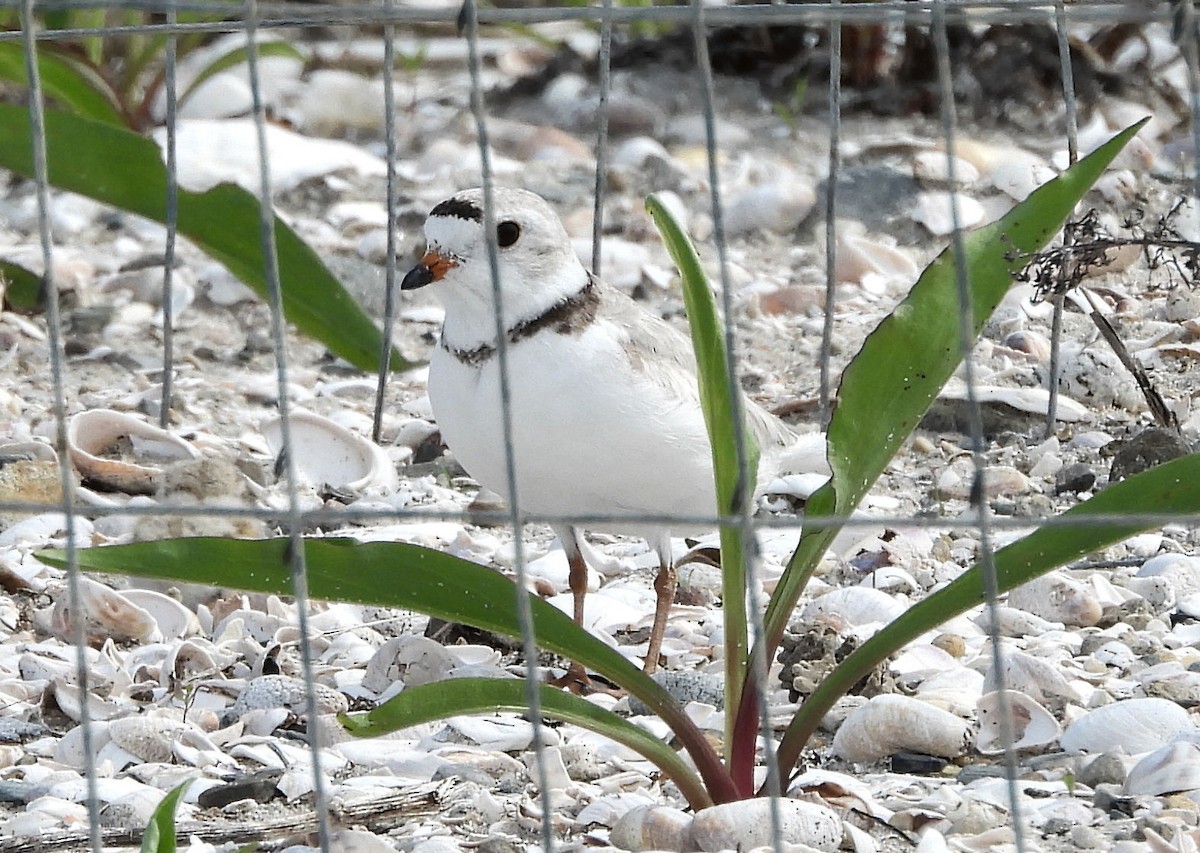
pixel 664 588
pixel 576 678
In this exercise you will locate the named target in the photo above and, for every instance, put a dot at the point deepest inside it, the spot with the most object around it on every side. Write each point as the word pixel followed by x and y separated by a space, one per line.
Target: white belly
pixel 589 435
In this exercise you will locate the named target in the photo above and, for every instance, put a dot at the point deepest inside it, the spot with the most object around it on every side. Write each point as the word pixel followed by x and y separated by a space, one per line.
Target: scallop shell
pixel 143 448
pixel 326 453
pixel 747 824
pixel 1032 725
pixel 1131 726
pixel 892 723
pixel 1169 769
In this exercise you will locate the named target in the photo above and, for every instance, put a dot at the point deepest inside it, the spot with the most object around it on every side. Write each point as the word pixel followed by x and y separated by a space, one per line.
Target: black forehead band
pixel 458 208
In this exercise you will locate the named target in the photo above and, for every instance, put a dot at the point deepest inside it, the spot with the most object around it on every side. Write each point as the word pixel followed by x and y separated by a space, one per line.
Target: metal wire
pixel 171 222
pixel 55 350
pixel 295 553
pixel 966 311
pixel 604 79
pixel 389 297
pixel 470 20
pixel 835 135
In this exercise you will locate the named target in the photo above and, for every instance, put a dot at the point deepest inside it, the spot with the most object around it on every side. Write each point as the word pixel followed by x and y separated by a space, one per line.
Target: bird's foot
pixel 577 680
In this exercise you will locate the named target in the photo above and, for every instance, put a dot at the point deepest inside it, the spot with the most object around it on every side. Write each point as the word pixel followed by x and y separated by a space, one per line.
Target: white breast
pixel 590 435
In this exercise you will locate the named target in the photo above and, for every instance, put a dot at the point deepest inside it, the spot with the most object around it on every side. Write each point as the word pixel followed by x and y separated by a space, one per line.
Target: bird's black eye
pixel 507 233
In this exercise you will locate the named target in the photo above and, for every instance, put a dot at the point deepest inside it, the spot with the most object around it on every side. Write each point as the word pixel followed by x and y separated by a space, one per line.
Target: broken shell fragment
pixel 328 454
pixel 1130 725
pixel 1032 725
pixel 119 452
pixel 747 824
pixel 106 614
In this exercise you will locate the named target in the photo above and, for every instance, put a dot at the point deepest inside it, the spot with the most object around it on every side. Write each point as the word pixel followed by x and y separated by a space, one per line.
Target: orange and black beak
pixel 431 268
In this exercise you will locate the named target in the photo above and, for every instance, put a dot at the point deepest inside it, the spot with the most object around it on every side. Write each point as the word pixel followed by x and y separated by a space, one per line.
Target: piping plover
pixel 606 417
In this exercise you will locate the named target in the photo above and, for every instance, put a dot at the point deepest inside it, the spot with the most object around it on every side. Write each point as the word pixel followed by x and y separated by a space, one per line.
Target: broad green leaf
pixel 429 702
pixel 903 364
pixel 1173 487
pixel 118 167
pixel 236 56
pixel 395 574
pixel 905 361
pixel 22 289
pixel 160 832
pixel 72 83
pixel 717 398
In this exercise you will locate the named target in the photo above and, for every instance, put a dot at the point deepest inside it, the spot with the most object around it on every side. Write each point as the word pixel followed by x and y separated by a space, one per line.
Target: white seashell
pixel 1033 400
pixel 35 450
pixel 411 660
pixel 933 166
pixel 893 723
pixel 747 824
pixel 1036 677
pixel 1020 174
pixel 149 737
pixel 1057 597
pixel 326 453
pixel 859 257
pixel 1131 726
pixel 1181 572
pixel 70 747
pixel 174 621
pixel 1032 725
pixel 1169 769
pixel 933 210
pixel 779 207
pixel 853 607
pixel 143 449
pixel 107 614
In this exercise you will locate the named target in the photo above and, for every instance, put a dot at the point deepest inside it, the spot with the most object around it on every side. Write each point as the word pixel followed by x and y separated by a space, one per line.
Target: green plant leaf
pixel 22 289
pixel 903 364
pixel 437 701
pixel 118 167
pixel 395 574
pixel 236 55
pixel 159 836
pixel 72 83
pixel 1173 487
pixel 733 485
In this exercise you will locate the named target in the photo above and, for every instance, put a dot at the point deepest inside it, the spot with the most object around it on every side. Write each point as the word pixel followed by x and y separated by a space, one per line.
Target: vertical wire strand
pixel 1190 48
pixel 295 551
pixel 55 351
pixel 1071 116
pixel 835 134
pixel 389 291
pixel 172 221
pixel 745 502
pixel 966 312
pixel 604 79
pixel 470 20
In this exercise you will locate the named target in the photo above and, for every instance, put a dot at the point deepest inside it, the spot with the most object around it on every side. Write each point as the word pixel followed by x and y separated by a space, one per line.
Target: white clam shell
pixel 92 433
pixel 1057 597
pixel 892 723
pixel 859 256
pixel 38 450
pixel 411 660
pixel 747 824
pixel 150 738
pixel 653 828
pixel 174 621
pixel 1032 725
pixel 1167 770
pixel 934 211
pixel 1131 726
pixel 1033 400
pixel 778 206
pixel 326 453
pixel 854 606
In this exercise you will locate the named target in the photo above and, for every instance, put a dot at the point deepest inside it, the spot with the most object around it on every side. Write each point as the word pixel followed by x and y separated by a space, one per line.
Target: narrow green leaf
pixel 1173 487
pixel 717 398
pixel 235 56
pixel 120 168
pixel 395 574
pixel 159 836
pixel 428 702
pixel 903 364
pixel 22 289
pixel 70 82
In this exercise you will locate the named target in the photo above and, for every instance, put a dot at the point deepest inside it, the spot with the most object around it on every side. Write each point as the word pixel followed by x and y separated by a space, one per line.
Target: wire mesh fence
pixel 191 383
